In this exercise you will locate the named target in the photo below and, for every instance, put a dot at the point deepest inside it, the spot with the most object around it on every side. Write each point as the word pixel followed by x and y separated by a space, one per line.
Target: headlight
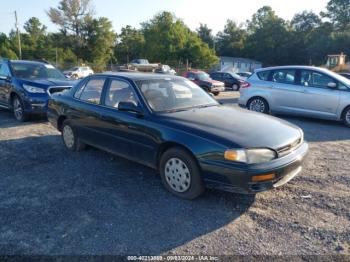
pixel 33 89
pixel 250 156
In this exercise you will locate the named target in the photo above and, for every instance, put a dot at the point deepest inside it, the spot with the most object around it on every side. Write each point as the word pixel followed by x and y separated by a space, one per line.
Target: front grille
pixel 285 150
pixel 56 89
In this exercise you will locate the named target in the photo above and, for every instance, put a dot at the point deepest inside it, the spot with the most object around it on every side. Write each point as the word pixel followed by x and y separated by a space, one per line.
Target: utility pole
pixel 19 37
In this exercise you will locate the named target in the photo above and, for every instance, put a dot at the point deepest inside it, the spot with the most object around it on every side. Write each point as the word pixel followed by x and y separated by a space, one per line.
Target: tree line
pixel 266 37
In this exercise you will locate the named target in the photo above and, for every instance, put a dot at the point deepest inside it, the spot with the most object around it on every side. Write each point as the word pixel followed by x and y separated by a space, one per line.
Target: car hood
pixel 233 127
pixel 45 83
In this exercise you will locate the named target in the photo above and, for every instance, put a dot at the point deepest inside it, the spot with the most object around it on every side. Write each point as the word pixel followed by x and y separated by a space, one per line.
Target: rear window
pixel 264 75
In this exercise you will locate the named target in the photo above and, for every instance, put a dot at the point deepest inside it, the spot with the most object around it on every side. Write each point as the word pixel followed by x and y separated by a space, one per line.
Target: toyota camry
pixel 170 124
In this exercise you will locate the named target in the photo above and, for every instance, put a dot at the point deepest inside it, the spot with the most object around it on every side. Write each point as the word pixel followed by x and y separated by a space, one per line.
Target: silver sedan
pixel 298 90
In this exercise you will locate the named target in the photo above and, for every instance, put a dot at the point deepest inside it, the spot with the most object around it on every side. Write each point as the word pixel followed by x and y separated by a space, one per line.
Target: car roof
pixel 28 62
pixel 291 67
pixel 139 76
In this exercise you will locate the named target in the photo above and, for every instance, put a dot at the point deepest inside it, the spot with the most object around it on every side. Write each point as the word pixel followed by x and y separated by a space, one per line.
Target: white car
pixel 78 72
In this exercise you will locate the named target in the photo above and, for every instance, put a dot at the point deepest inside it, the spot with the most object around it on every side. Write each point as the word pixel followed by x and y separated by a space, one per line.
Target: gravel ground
pixel 60 203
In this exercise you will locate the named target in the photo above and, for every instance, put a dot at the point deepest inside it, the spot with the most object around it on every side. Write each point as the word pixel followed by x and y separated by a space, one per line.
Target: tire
pixel 258 104
pixel 18 109
pixel 235 87
pixel 216 93
pixel 175 165
pixel 70 139
pixel 346 116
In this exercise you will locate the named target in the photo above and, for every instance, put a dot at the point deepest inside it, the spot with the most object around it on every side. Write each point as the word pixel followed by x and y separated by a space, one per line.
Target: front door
pixel 5 84
pixel 318 99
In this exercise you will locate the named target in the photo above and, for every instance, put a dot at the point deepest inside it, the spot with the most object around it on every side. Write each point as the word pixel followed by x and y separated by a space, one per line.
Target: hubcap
pixel 17 108
pixel 68 136
pixel 177 175
pixel 257 105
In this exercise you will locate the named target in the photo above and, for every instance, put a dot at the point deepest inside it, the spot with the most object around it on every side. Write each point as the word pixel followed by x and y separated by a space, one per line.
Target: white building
pixel 237 64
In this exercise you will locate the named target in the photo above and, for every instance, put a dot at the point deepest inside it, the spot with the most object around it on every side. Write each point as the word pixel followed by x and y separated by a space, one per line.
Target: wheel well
pixel 168 145
pixel 344 110
pixel 60 122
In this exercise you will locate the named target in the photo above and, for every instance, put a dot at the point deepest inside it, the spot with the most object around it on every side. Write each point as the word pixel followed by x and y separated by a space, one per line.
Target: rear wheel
pixel 70 139
pixel 258 104
pixel 180 174
pixel 18 109
pixel 346 116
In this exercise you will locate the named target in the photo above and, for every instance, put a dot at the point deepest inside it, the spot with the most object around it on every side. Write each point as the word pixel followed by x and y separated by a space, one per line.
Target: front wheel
pixel 216 93
pixel 258 104
pixel 180 174
pixel 346 117
pixel 70 139
pixel 18 109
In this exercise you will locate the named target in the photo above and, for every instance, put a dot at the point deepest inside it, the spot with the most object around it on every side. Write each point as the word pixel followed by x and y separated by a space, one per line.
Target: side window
pixel 264 75
pixel 119 91
pixel 4 70
pixel 315 79
pixel 92 91
pixel 285 76
pixel 341 86
pixel 227 76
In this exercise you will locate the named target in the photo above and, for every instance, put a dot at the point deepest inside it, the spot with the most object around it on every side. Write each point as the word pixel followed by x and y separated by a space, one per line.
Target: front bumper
pixel 215 89
pixel 36 104
pixel 237 178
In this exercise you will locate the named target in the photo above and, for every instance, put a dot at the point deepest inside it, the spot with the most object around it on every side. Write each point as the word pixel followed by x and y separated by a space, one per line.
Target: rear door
pixel 86 111
pixel 285 91
pixel 317 98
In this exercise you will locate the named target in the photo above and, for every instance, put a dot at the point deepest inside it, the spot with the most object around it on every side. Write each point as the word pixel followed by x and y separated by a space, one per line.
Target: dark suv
pixel 231 80
pixel 25 86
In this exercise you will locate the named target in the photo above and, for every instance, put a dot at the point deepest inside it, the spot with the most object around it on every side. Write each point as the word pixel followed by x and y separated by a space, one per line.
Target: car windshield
pixel 171 95
pixel 35 71
pixel 203 76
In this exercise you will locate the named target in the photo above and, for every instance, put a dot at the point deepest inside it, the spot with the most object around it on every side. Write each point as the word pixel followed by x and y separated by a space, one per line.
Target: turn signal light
pixel 261 178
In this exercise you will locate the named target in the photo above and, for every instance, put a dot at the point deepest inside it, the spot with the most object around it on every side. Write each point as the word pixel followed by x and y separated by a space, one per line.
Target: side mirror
pixel 130 107
pixel 332 85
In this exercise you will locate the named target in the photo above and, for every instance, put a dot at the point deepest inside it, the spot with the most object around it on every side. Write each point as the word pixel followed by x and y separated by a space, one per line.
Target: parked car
pixel 25 86
pixel 165 69
pixel 170 124
pixel 79 72
pixel 231 80
pixel 298 90
pixel 346 75
pixel 143 65
pixel 204 81
pixel 244 74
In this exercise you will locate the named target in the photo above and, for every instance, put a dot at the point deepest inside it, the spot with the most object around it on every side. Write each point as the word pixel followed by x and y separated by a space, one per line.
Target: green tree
pixel 100 42
pixel 5 48
pixel 231 41
pixel 305 21
pixel 169 40
pixel 338 11
pixel 205 33
pixel 130 44
pixel 269 40
pixel 72 17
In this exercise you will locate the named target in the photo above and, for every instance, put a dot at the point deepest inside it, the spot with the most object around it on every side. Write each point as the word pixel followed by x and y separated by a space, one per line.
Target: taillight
pixel 245 85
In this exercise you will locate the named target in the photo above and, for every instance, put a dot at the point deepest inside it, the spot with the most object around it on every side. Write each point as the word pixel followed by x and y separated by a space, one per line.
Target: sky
pixel 133 12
